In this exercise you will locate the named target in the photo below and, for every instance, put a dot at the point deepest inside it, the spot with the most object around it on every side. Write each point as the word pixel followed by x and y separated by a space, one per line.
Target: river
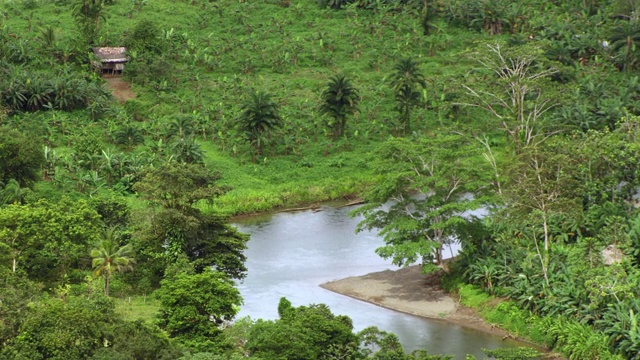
pixel 291 254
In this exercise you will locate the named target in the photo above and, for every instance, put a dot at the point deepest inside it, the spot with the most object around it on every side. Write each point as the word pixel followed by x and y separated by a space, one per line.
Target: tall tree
pixel 522 97
pixel 543 186
pixel 406 80
pixel 194 306
pixel 109 256
pixel 259 115
pixel 88 14
pixel 339 100
pixel 178 228
pixel 427 186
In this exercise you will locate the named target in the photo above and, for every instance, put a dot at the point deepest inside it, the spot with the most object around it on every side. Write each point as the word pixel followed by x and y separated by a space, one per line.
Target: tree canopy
pixel 424 199
pixel 20 158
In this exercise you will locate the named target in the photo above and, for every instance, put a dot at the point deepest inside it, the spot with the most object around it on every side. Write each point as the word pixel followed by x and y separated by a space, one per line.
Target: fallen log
pixel 351 203
pixel 314 207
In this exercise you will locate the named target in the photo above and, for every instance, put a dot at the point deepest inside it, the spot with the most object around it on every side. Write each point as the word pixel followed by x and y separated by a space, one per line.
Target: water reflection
pixel 290 254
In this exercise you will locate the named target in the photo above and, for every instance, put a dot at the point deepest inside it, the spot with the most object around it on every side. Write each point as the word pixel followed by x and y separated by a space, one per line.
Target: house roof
pixel 110 54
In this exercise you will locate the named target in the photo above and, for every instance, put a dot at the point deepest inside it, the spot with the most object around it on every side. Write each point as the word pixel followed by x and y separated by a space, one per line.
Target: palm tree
pixel 181 126
pixel 491 14
pixel 12 193
pixel 405 80
pixel 258 117
pixel 625 40
pixel 128 135
pixel 109 256
pixel 339 100
pixel 40 92
pixel 187 150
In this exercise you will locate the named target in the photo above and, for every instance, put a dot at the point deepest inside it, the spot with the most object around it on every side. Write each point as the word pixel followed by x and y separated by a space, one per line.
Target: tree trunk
pixel 106 283
pixel 545 265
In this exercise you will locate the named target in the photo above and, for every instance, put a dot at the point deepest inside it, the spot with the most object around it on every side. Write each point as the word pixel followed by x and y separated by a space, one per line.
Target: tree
pixel 491 15
pixel 206 239
pixel 378 344
pixel 406 80
pixel 258 117
pixel 109 256
pixel 179 186
pixel 15 298
pixel 128 135
pixel 336 4
pixel 88 14
pixel 110 163
pixel 306 332
pixel 180 228
pixel 427 186
pixel 12 193
pixel 339 100
pixel 194 306
pixel 56 329
pixel 543 186
pixel 20 157
pixel 137 340
pixel 605 163
pixel 625 40
pixel 145 38
pixel 113 209
pixel 520 103
pixel 186 150
pixel 45 239
pixel 181 126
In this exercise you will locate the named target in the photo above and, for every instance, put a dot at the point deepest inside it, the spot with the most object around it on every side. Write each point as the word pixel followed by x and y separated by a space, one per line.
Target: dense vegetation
pixel 528 109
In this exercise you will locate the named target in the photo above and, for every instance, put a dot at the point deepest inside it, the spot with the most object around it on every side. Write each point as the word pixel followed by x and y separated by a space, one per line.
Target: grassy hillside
pixel 204 58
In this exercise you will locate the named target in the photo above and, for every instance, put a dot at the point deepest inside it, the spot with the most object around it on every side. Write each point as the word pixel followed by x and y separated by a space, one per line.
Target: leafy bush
pixel 578 341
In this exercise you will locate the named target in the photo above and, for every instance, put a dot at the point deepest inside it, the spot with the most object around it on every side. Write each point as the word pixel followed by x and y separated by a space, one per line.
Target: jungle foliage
pixel 528 109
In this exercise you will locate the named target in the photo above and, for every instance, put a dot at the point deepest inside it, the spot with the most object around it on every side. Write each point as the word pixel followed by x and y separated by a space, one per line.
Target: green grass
pixel 501 312
pixel 134 308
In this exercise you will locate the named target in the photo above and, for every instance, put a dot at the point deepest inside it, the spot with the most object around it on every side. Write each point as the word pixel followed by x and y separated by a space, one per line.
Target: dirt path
pixel 120 88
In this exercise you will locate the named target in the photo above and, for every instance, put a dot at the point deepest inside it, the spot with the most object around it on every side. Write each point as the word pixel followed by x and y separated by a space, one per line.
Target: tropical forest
pixel 511 128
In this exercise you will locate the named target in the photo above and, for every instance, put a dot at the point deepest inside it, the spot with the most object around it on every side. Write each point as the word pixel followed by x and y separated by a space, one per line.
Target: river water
pixel 291 254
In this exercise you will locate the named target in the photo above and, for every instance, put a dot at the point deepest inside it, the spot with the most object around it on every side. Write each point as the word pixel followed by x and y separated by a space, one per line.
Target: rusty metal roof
pixel 110 54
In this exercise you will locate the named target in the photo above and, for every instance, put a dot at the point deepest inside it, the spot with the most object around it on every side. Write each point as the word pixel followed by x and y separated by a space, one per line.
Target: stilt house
pixel 110 59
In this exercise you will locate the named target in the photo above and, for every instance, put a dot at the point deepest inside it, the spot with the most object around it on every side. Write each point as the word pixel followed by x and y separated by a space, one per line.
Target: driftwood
pixel 351 203
pixel 314 207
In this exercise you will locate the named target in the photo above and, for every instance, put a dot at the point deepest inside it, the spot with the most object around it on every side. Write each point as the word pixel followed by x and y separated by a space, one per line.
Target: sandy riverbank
pixel 409 291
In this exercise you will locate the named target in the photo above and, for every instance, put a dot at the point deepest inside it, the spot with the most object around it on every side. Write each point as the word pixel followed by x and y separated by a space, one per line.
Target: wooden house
pixel 110 60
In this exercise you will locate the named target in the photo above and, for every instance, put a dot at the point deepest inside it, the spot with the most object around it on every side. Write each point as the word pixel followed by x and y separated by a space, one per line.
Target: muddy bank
pixel 409 291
